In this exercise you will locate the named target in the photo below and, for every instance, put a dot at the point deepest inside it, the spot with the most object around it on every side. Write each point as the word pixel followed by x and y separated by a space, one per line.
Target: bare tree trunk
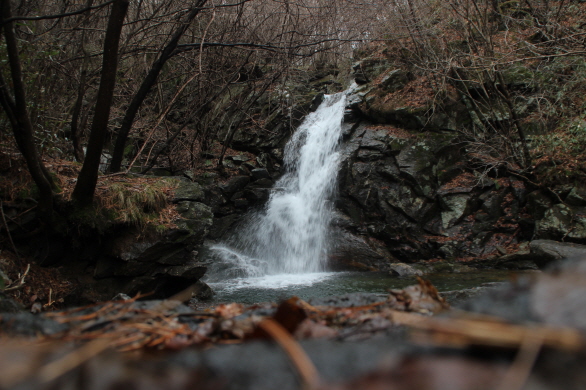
pixel 86 182
pixel 146 86
pixel 20 121
pixel 75 128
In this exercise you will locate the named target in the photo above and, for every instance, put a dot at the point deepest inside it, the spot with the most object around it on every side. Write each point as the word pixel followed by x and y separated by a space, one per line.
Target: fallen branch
pixel 461 332
pixel 301 361
pixel 20 282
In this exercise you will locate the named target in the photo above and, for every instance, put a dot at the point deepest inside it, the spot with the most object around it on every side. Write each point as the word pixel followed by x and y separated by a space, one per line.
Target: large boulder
pixel 352 252
pixel 159 260
pixel 545 252
pixel 562 221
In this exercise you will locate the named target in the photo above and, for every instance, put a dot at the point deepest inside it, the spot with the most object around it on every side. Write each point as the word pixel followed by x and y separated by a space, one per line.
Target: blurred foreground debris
pixel 527 334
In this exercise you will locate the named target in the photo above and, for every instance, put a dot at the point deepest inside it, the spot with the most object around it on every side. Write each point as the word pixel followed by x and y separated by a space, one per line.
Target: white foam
pixel 274 282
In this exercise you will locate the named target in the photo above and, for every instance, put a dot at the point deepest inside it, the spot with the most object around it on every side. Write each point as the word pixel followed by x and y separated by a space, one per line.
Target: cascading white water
pixel 290 235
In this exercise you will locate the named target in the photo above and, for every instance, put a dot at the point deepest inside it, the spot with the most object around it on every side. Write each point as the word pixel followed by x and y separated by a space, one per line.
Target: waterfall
pixel 290 235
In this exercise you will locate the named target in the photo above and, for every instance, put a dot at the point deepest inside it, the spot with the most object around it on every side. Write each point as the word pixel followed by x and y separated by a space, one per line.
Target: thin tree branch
pixel 58 16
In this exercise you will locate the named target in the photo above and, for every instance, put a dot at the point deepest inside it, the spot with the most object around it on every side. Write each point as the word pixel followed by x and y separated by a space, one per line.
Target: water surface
pixel 274 288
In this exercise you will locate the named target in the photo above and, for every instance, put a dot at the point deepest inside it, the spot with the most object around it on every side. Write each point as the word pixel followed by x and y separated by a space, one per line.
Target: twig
pixel 520 370
pixel 67 363
pixel 50 302
pixel 303 364
pixel 21 281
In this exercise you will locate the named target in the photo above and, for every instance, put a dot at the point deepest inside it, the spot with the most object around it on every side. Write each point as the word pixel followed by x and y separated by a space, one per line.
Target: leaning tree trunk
pixel 75 128
pixel 83 193
pixel 146 86
pixel 16 110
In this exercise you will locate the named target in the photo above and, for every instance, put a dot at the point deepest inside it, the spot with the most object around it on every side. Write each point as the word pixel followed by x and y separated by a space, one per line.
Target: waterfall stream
pixel 289 237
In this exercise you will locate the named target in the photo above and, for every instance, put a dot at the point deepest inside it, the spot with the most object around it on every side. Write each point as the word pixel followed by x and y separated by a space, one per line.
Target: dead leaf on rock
pixel 421 298
pixel 229 310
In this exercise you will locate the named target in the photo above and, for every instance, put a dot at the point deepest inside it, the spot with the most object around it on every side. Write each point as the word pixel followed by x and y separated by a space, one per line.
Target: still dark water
pixel 274 288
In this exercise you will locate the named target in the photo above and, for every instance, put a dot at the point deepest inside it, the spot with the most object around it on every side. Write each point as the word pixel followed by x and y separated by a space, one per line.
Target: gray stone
pixel 192 271
pixel 257 194
pixel 243 171
pixel 197 218
pixel 577 197
pixel 374 139
pixel 548 251
pixel 262 183
pixel 260 173
pixel 202 291
pixel 369 155
pixel 457 207
pixel 522 259
pixel 458 297
pixel 240 158
pixel 234 184
pixel 188 191
pixel 404 198
pixel 222 225
pixel 395 80
pixel 562 222
pixel 404 270
pixel 351 252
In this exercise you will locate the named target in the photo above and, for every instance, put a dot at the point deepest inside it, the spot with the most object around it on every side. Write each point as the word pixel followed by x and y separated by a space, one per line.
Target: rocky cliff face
pixel 413 187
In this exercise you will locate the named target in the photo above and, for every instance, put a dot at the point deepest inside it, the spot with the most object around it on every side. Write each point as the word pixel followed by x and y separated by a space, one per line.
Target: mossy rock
pixel 197 217
pixel 187 190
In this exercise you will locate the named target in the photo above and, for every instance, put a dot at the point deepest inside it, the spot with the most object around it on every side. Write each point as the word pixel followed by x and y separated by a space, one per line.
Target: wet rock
pixel 240 158
pixel 215 198
pixel 510 301
pixel 188 191
pixel 367 69
pixel 352 252
pixel 456 208
pixel 404 198
pixel 369 155
pixel 196 219
pixel 222 225
pixel 260 173
pixel 577 197
pixel 235 184
pixel 395 80
pixel 202 291
pixel 562 221
pixel 355 98
pixel 404 270
pixel 544 252
pixel 522 259
pixel 149 260
pixel 262 183
pixel 458 297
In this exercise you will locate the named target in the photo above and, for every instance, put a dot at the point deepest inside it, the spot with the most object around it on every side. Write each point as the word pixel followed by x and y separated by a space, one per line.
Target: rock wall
pixel 412 188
